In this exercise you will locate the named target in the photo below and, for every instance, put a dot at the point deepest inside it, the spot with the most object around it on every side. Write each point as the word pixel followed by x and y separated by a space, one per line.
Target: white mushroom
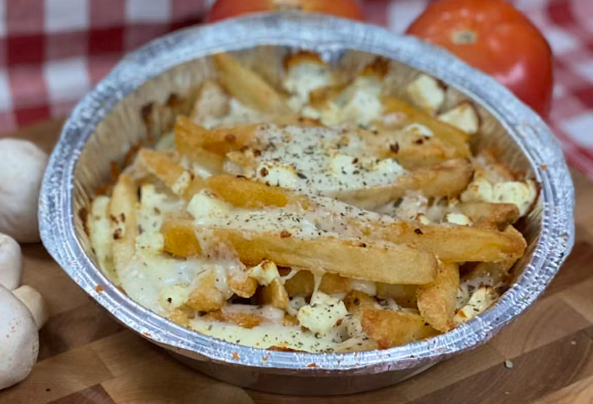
pixel 19 342
pixel 34 302
pixel 22 165
pixel 11 262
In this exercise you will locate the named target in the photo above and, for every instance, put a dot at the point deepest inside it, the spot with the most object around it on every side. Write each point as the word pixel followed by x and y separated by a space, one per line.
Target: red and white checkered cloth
pixel 53 51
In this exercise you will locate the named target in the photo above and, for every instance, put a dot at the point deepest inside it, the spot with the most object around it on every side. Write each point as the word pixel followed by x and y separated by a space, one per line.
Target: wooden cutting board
pixel 86 357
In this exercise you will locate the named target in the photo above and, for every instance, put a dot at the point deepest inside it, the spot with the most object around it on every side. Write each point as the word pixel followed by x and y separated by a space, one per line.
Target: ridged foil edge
pixel 56 215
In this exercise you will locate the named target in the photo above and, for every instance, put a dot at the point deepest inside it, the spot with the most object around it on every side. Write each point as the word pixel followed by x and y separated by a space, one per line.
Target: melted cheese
pixel 209 211
pixel 102 236
pixel 319 161
pixel 302 79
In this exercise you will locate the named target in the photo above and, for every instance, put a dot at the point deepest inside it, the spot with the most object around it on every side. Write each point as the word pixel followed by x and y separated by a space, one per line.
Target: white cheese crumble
pixel 426 93
pixel 458 218
pixel 264 273
pixel 322 314
pixel 319 160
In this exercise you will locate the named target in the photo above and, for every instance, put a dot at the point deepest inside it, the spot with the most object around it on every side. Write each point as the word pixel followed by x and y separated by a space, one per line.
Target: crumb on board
pixel 508 364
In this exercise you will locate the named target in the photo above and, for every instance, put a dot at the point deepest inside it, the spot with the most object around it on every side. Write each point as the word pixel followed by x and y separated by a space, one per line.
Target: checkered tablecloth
pixel 53 51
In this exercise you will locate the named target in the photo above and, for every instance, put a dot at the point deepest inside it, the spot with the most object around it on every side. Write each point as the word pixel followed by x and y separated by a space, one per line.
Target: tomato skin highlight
pixel 496 38
pixel 224 9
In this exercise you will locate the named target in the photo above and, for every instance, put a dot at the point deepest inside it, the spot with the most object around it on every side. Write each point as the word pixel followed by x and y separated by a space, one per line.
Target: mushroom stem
pixel 34 302
pixel 11 262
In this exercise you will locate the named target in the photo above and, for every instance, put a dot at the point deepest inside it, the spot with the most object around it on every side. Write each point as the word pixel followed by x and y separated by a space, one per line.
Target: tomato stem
pixel 464 37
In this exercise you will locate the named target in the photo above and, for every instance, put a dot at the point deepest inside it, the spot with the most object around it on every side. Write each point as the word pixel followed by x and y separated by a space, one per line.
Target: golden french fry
pixel 247 86
pixel 162 164
pixel 443 131
pixel 348 258
pixel 448 179
pixel 494 215
pixel 190 136
pixel 451 243
pixel 206 297
pixel 242 319
pixel 393 328
pixel 404 295
pixel 122 211
pixel 303 283
pixel 274 295
pixel 248 194
pixel 181 316
pixel 212 102
pixel 245 287
pixel 355 301
pixel 436 301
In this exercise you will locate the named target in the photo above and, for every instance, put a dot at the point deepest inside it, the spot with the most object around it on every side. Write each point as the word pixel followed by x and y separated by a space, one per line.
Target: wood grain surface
pixel 86 357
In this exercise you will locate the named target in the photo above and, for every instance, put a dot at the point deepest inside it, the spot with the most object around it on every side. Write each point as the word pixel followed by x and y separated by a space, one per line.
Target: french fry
pixel 451 243
pixel 242 319
pixel 490 215
pixel 245 287
pixel 122 211
pixel 436 301
pixel 248 87
pixel 274 295
pixel 244 193
pixel 190 136
pixel 404 295
pixel 355 301
pixel 162 164
pixel 348 258
pixel 443 131
pixel 393 328
pixel 412 150
pixel 303 283
pixel 448 179
pixel 206 297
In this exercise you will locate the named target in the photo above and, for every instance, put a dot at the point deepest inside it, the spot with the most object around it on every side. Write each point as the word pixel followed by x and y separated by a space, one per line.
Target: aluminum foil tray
pixel 109 121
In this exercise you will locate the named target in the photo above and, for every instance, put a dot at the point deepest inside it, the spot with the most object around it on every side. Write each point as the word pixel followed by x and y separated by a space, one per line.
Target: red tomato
pixel 496 38
pixel 223 9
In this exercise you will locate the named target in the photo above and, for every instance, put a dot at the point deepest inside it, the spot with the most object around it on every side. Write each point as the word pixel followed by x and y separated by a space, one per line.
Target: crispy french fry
pixel 122 211
pixel 274 295
pixel 494 215
pixel 443 131
pixel 436 301
pixel 303 283
pixel 413 150
pixel 206 297
pixel 190 136
pixel 245 287
pixel 355 301
pixel 242 319
pixel 247 86
pixel 404 295
pixel 344 257
pixel 248 194
pixel 448 179
pixel 393 328
pixel 162 164
pixel 181 316
pixel 451 243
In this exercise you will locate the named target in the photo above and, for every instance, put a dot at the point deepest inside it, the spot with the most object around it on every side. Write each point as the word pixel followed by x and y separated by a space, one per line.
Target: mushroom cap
pixel 11 262
pixel 19 341
pixel 22 165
